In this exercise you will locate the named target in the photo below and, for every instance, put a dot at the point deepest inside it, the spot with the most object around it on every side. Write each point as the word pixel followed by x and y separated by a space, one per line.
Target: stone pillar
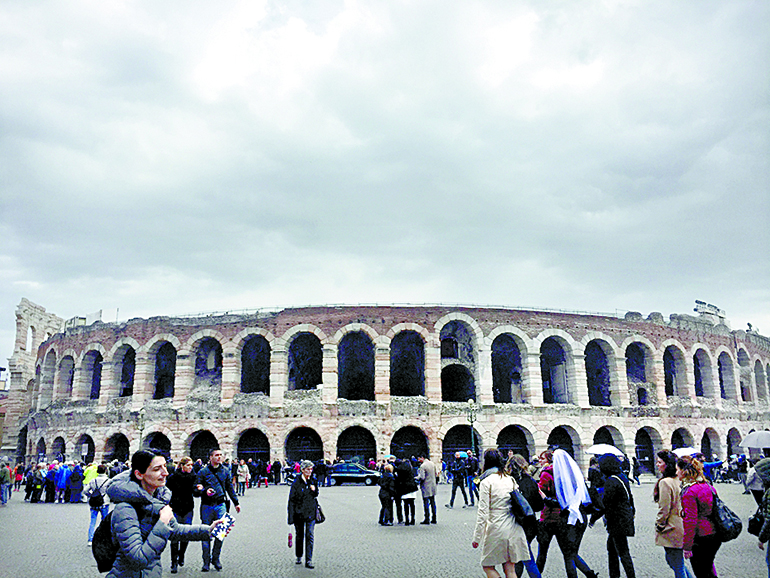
pixel 279 375
pixel 689 380
pixel 484 393
pixel 658 378
pixel 230 377
pixel 144 379
pixel 433 369
pixel 80 389
pixel 716 393
pixel 618 382
pixel 532 379
pixel 329 375
pixel 578 390
pixel 108 390
pixel 382 374
pixel 184 377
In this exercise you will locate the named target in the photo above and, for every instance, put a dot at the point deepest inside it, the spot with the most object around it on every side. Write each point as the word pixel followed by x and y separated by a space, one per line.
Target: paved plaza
pixel 49 540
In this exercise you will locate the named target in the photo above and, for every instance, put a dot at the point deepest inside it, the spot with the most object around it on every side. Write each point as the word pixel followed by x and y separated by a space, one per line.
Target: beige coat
pixel 427 477
pixel 500 538
pixel 669 528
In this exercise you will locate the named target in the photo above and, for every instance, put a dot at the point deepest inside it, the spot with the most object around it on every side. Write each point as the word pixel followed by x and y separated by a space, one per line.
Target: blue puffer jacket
pixel 140 533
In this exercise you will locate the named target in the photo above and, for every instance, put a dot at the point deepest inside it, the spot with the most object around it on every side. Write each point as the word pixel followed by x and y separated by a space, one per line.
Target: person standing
pixel 214 485
pixel 277 472
pixel 182 486
pixel 669 529
pixel 618 504
pixel 427 478
pixel 762 468
pixel 458 469
pixel 701 542
pixel 406 491
pixel 96 493
pixel 302 508
pixel 386 494
pixel 5 483
pixel 243 476
pixel 471 469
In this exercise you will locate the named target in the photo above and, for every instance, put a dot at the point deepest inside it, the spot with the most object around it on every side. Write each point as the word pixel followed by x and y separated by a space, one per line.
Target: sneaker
pixel 449 505
pixel 217 565
pixel 89 544
pixel 309 564
pixel 205 569
pixel 299 561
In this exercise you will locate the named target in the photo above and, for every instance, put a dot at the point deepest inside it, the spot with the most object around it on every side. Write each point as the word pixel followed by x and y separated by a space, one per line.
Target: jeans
pixel 104 510
pixel 617 549
pixel 305 534
pixel 460 485
pixel 429 506
pixel 568 537
pixel 209 513
pixel 472 490
pixel 704 550
pixel 530 565
pixel 5 489
pixel 178 548
pixel 386 510
pixel 675 559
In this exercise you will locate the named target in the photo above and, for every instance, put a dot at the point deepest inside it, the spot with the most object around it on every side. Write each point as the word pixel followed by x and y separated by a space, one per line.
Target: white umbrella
pixel 601 449
pixel 686 451
pixel 756 439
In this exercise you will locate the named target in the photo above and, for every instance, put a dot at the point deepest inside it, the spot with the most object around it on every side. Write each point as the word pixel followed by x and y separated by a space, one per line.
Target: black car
pixel 352 474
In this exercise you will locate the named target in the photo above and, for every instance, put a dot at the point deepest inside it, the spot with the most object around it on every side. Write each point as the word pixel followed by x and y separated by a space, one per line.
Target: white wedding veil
pixel 571 487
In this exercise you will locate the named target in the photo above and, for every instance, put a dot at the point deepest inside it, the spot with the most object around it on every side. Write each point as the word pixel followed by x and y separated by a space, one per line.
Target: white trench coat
pixel 500 538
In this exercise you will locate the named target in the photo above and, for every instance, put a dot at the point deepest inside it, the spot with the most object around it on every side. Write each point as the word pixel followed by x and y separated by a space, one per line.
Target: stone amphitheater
pixel 367 381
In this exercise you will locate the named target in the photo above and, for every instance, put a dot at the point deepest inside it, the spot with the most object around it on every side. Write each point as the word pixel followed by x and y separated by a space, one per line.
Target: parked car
pixel 353 474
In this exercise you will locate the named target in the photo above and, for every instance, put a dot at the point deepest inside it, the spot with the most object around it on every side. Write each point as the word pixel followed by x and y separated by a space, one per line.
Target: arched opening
pixel 125 368
pixel 116 448
pixel 597 374
pixel 645 450
pixel 759 379
pixel 254 445
pixel 641 396
pixel 304 443
pixel 704 383
pixel 21 445
pixel 636 365
pixel 506 370
pixel 560 438
pixel 458 439
pixel 47 379
pixel 158 442
pixel 457 384
pixel 734 443
pixel 201 443
pixel 59 449
pixel 86 449
pixel 30 339
pixel 305 362
pixel 41 450
pixel 255 365
pixel 92 370
pixel 355 358
pixel 208 364
pixel 165 371
pixel 409 441
pixel 707 444
pixel 745 373
pixel 66 375
pixel 513 438
pixel 553 368
pixel 407 364
pixel 356 444
pixel 726 376
pixel 604 436
pixel 674 371
pixel 681 438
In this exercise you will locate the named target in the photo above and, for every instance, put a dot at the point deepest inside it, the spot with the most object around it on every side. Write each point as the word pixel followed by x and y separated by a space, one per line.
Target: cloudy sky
pixel 178 157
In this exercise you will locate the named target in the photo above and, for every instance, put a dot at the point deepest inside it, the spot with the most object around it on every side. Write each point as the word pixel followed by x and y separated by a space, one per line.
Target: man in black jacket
pixel 302 508
pixel 215 484
pixel 459 472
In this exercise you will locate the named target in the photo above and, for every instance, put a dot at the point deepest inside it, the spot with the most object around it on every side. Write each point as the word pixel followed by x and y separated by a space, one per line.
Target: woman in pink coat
pixel 700 539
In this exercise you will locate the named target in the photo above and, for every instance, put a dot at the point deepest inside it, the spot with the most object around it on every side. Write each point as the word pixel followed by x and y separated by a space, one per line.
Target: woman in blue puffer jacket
pixel 142 520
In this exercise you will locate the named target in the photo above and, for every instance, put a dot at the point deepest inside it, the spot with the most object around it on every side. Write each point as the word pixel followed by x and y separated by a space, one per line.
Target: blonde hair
pixel 388 467
pixel 184 460
pixel 692 470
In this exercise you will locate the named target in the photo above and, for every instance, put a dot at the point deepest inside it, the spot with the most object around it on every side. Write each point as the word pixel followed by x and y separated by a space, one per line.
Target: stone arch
pixel 354 328
pixel 292 332
pixel 464 318
pixel 518 439
pixel 610 435
pixel 305 361
pixel 409 441
pixel 156 342
pixel 124 368
pixel 681 438
pixel 303 443
pixel 458 438
pixel 116 447
pixel 91 370
pixel 40 450
pixel 165 370
pixel 66 376
pixel 356 443
pixel 255 351
pixel 733 442
pixel 355 366
pixel 760 380
pixel 45 395
pixel 674 368
pixel 710 446
pixel 648 442
pixel 407 363
pixel 85 448
pixel 508 368
pixel 59 449
pixel 253 443
pixel 727 385
pixel 565 437
pixel 207 356
pixel 557 367
pixel 704 380
pixel 159 442
pixel 597 353
pixel 459 346
pixel 201 443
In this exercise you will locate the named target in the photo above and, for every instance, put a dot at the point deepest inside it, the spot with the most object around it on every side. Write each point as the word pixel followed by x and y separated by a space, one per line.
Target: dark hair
pixel 141 460
pixel 547 455
pixel 493 459
pixel 212 450
pixel 101 469
pixel 670 458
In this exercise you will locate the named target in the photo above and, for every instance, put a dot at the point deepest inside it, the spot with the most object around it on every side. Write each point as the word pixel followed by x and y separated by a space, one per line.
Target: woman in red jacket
pixel 700 540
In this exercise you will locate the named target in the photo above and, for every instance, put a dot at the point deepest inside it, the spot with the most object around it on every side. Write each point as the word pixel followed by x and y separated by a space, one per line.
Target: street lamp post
pixel 472 411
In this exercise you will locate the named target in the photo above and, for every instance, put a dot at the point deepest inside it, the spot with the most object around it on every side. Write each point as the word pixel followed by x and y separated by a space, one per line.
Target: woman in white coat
pixel 502 540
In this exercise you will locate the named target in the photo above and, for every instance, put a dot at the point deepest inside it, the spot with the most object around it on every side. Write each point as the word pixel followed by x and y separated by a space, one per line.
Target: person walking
pixel 518 468
pixel 5 483
pixel 501 538
pixel 669 528
pixel 302 508
pixel 755 484
pixel 426 475
pixel 701 542
pixel 96 494
pixel 618 505
pixel 214 485
pixel 762 468
pixel 243 475
pixel 142 521
pixel 182 486
pixel 471 471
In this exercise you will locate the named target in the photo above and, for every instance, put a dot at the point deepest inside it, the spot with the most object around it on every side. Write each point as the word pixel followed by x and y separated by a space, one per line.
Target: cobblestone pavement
pixel 46 540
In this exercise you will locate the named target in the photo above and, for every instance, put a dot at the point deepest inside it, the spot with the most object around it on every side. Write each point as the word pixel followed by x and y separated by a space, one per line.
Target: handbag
pixel 523 513
pixel 319 515
pixel 727 523
pixel 756 521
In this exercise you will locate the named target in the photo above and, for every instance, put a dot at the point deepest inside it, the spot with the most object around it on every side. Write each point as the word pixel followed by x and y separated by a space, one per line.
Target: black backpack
pixel 103 545
pixel 96 500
